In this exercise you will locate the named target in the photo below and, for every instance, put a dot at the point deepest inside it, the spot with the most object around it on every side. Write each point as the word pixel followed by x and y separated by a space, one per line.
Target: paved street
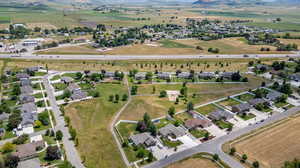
pixel 69 146
pixel 215 146
pixel 135 57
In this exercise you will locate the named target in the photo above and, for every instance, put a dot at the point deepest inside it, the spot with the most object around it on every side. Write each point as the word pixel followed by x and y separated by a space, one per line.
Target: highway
pixel 143 57
pixel 215 146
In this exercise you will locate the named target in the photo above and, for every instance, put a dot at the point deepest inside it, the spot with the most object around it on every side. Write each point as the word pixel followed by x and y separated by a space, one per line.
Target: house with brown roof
pixel 196 123
pixel 28 151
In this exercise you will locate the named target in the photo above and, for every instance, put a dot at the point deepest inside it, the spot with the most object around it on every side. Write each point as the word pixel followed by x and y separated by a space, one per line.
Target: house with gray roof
pixel 26 89
pixel 256 101
pixel 66 79
pixel 25 81
pixel 172 131
pixel 109 74
pixel 78 95
pixel 72 87
pixel 22 76
pixel 25 98
pixel 273 95
pixel 206 75
pixel 28 108
pixel 295 77
pixel 227 75
pixel 184 75
pixel 142 139
pixel 28 119
pixel 220 115
pixel 241 108
pixel 164 75
pixel 140 76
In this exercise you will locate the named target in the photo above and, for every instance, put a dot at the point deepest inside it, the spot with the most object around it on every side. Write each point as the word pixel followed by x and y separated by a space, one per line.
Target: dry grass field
pixel 291 41
pixel 91 120
pixel 194 163
pixel 226 46
pixel 158 107
pixel 274 146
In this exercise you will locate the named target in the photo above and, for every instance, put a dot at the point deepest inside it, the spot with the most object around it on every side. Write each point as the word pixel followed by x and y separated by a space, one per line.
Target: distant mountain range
pixel 234 2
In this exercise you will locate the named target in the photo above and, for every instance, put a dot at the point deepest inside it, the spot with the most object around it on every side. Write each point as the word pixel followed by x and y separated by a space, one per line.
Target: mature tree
pixel 14 120
pixel 8 147
pixel 59 135
pixel 141 126
pixel 216 157
pixel 171 111
pixel 141 153
pixel 124 97
pixel 255 164
pixel 21 139
pixel 150 157
pixel 190 106
pixel 232 151
pixel 163 94
pixel 244 158
pixel 11 161
pixel 52 153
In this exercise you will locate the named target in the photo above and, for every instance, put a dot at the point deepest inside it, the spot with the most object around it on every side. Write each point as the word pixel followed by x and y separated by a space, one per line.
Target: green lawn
pixel 245 97
pixel 131 154
pixel 86 86
pixel 91 120
pixel 56 77
pixel 223 124
pixel 280 104
pixel 172 44
pixel 183 116
pixel 126 129
pixel 72 75
pixel 170 144
pixel 229 102
pixel 198 133
pixel 205 110
pixel 49 140
pixel 246 117
pixel 40 73
pixel 38 95
pixel 59 86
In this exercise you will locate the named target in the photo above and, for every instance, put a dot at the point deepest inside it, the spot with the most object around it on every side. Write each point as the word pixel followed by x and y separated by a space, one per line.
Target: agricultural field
pixel 273 146
pixel 91 120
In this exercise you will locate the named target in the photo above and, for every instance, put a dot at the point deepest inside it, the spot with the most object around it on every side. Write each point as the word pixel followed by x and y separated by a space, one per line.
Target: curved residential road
pixel 69 146
pixel 215 146
pixel 142 57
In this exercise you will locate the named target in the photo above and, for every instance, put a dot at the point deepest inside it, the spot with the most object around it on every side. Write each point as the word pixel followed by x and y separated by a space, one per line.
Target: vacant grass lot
pixel 274 146
pixel 205 110
pixel 158 107
pixel 91 119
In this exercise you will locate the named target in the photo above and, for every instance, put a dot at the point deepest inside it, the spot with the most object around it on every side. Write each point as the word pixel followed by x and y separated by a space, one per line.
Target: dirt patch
pixel 194 163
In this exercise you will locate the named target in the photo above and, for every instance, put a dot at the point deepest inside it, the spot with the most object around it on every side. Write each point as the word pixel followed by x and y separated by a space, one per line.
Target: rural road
pixel 142 57
pixel 69 146
pixel 215 146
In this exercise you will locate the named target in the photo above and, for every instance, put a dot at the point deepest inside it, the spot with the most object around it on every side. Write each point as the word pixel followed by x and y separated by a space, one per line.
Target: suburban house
pixel 26 89
pixel 67 79
pixel 196 123
pixel 273 95
pixel 25 98
pixel 140 76
pixel 78 94
pixel 256 101
pixel 109 74
pixel 28 108
pixel 206 75
pixel 184 75
pixel 241 108
pixel 221 115
pixel 295 77
pixel 227 75
pixel 164 75
pixel 142 139
pixel 73 87
pixel 22 76
pixel 29 150
pixel 172 131
pixel 25 81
